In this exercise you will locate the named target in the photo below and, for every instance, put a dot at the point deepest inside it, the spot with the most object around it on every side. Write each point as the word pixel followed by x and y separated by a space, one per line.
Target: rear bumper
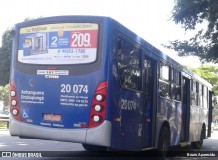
pixel 100 135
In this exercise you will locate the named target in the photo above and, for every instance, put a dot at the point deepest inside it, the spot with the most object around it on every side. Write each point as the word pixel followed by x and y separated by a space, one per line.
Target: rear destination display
pixel 63 43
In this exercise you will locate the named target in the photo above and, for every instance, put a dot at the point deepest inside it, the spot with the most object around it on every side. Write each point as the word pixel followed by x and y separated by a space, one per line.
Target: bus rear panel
pixel 58 82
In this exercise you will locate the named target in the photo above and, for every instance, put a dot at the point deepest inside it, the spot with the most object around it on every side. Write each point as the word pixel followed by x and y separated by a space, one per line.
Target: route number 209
pixel 76 88
pixel 81 40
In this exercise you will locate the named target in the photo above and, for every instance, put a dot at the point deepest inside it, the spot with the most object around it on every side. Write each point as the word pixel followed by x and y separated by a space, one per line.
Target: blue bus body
pixel 143 92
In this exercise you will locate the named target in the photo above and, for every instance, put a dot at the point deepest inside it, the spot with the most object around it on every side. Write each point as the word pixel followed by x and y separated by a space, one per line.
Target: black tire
pixel 198 144
pixel 164 140
pixel 89 147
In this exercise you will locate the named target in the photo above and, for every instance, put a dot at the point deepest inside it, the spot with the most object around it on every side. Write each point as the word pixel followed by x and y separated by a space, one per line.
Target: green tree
pixel 5 56
pixel 191 13
pixel 209 73
pixel 4 95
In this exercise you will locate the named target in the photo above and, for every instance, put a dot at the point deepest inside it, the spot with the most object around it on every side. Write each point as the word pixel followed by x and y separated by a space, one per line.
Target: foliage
pixel 191 13
pixel 4 95
pixel 5 56
pixel 3 125
pixel 209 73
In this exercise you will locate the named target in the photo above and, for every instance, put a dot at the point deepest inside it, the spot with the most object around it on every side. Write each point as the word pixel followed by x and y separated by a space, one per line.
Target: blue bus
pixel 90 80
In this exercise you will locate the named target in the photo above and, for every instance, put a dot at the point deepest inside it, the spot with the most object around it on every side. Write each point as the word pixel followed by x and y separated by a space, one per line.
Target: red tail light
pixel 14 105
pixel 98 110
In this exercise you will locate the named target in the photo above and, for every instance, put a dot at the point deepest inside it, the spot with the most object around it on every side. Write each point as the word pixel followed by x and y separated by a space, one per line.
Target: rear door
pixel 185 108
pixel 129 94
pixel 149 107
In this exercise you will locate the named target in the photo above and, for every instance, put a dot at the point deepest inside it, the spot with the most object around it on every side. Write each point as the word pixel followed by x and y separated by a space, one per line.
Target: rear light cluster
pixel 15 108
pixel 98 110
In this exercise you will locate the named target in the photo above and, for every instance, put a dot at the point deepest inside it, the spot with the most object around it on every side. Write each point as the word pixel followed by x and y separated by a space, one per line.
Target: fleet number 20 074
pixel 76 88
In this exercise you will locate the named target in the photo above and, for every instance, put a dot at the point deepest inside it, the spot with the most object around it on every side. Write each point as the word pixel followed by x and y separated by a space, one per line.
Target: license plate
pixel 52 117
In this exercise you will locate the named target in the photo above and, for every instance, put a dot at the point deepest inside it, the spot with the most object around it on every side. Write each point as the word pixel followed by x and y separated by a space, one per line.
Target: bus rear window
pixel 62 43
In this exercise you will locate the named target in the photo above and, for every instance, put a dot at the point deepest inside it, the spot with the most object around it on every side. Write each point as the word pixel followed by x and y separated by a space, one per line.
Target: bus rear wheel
pixel 89 147
pixel 198 144
pixel 164 140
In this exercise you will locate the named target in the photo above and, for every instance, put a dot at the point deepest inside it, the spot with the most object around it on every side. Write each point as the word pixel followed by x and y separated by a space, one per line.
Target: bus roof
pixel 189 74
pixel 140 40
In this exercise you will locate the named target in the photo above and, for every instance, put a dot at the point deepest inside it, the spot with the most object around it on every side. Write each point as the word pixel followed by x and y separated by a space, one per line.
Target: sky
pixel 150 19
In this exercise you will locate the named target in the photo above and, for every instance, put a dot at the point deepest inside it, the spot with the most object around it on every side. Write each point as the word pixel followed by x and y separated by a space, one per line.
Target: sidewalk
pixel 4 131
pixel 214 135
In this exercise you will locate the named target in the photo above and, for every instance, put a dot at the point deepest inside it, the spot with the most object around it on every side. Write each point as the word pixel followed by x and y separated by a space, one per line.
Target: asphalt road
pixel 9 143
pixel 55 149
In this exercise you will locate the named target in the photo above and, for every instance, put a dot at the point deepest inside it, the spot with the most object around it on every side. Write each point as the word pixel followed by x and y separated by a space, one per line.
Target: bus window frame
pixel 200 95
pixel 163 66
pixel 205 96
pixel 139 47
pixel 194 94
pixel 164 81
pixel 172 82
pixel 175 79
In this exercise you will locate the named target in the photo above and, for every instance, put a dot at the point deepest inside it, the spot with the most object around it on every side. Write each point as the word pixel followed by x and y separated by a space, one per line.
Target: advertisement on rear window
pixel 64 43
